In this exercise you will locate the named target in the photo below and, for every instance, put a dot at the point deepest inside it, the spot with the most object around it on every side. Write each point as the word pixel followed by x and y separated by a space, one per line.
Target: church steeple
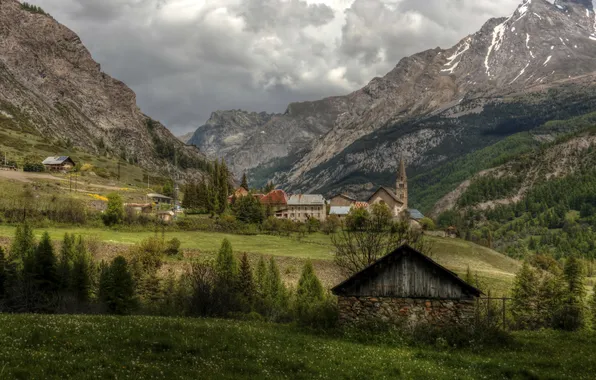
pixel 401 185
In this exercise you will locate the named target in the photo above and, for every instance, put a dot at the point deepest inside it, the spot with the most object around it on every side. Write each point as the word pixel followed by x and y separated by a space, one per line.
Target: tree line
pixel 34 277
pixel 548 295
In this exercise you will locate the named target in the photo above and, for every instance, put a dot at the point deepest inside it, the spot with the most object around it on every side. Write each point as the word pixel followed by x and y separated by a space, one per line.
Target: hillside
pixel 51 87
pixel 88 347
pixel 512 76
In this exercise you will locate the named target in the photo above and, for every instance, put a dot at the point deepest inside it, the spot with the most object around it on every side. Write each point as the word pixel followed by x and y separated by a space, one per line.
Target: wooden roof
pixel 373 270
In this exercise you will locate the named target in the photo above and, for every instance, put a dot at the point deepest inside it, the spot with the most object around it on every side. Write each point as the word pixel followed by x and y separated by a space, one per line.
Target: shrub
pixel 173 247
pixel 427 224
pixel 114 214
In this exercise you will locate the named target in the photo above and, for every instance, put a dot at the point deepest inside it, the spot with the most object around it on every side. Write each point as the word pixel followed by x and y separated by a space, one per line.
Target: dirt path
pixel 31 177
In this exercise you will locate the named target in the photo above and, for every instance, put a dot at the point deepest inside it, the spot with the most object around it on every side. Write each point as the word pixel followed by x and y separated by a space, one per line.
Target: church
pixel 396 200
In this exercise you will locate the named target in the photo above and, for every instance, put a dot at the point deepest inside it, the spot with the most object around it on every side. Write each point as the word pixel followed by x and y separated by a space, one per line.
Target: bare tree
pixel 373 236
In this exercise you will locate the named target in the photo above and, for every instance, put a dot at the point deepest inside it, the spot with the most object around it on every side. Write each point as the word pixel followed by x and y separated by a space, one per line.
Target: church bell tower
pixel 401 185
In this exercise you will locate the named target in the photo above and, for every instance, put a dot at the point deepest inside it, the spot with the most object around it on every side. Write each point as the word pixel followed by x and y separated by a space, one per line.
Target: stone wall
pixel 408 311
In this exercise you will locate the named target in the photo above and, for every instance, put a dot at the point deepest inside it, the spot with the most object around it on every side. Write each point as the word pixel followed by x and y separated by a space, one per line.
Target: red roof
pixel 275 198
pixel 361 205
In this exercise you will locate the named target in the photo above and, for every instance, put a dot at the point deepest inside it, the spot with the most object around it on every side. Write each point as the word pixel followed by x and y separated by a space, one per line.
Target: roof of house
pixel 388 191
pixel 306 199
pixel 155 195
pixel 372 270
pixel 415 214
pixel 361 205
pixel 345 196
pixel 58 160
pixel 275 197
pixel 339 210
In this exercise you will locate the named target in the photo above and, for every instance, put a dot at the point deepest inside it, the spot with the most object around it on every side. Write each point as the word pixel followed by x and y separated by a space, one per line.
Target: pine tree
pixel 80 279
pixel 309 289
pixel 43 266
pixel 225 264
pixel 593 308
pixel 246 281
pixel 119 292
pixel 574 314
pixel 261 278
pixel 277 289
pixel 244 183
pixel 525 298
pixel 66 261
pixel 23 244
pixel 2 274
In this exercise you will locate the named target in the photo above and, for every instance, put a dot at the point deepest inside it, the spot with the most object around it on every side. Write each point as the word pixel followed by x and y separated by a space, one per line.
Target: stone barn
pixel 406 288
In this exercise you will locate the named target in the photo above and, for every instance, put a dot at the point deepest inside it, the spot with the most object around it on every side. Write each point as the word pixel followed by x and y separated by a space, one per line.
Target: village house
pixel 342 200
pixel 59 164
pixel 406 288
pixel 160 199
pixel 396 201
pixel 340 211
pixel 305 206
pixel 276 201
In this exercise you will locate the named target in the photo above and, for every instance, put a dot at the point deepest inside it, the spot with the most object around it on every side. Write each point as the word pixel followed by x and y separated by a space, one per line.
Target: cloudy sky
pixel 187 58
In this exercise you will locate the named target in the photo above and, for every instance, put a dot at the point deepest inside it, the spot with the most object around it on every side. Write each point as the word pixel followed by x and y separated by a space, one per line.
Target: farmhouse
pixel 160 199
pixel 277 202
pixel 406 288
pixel 60 163
pixel 305 206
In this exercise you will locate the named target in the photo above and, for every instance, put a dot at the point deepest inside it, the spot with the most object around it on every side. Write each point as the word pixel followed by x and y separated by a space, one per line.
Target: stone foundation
pixel 404 311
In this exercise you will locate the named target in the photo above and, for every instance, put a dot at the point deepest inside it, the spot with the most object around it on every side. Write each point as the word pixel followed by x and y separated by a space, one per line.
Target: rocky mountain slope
pixel 51 86
pixel 513 75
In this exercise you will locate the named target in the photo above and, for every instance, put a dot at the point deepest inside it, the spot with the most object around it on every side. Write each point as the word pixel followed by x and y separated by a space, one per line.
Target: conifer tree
pixel 80 279
pixel 277 289
pixel 119 293
pixel 574 314
pixel 244 182
pixel 309 288
pixel 225 264
pixel 23 244
pixel 525 297
pixel 66 261
pixel 593 308
pixel 43 266
pixel 261 277
pixel 245 281
pixel 2 274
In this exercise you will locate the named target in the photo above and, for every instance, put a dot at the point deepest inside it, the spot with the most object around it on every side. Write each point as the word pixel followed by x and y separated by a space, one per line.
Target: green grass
pixel 93 347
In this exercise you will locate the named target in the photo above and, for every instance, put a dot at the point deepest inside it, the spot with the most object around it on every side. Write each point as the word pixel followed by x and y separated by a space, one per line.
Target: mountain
pixel 185 137
pixel 50 86
pixel 434 107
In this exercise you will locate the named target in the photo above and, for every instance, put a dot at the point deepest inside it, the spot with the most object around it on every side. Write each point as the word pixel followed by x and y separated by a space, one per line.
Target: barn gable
pixel 406 273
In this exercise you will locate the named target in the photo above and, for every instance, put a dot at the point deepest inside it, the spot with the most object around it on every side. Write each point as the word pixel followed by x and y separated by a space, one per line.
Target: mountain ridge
pixel 428 102
pixel 49 81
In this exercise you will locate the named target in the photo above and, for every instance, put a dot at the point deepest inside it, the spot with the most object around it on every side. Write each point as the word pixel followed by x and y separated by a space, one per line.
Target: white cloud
pixel 186 58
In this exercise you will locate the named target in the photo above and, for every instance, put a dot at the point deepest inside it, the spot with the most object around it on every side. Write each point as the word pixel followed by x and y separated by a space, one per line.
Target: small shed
pixel 406 287
pixel 58 163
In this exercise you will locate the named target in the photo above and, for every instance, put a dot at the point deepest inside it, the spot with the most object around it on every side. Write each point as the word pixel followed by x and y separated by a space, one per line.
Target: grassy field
pixel 494 269
pixel 101 347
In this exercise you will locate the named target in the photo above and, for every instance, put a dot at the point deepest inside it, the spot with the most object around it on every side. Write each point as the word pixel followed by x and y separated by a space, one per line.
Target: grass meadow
pixel 138 347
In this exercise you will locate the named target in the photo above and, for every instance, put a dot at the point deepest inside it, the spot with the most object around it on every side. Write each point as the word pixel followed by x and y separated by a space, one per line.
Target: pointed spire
pixel 402 170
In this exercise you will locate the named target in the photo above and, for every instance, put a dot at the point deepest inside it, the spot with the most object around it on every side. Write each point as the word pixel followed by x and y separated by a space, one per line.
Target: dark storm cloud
pixel 187 58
